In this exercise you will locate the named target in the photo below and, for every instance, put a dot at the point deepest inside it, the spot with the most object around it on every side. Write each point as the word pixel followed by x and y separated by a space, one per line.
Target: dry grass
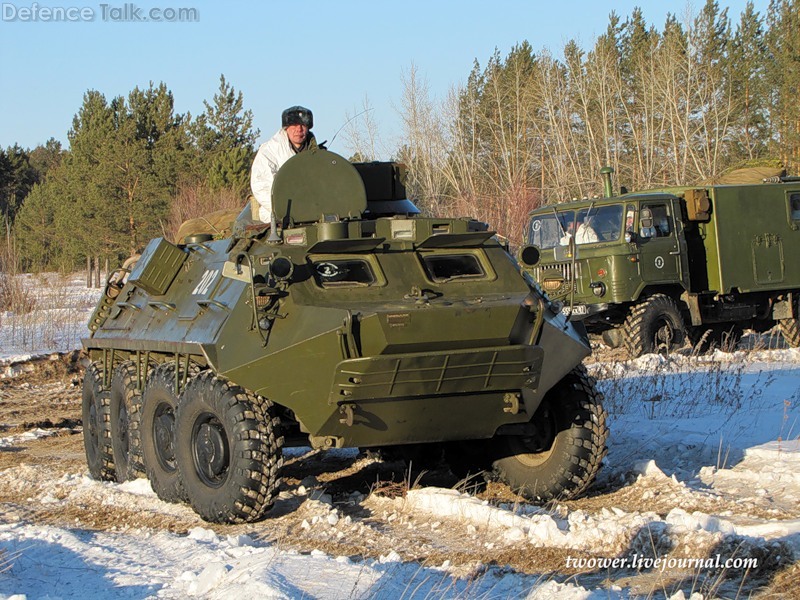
pixel 196 200
pixel 14 296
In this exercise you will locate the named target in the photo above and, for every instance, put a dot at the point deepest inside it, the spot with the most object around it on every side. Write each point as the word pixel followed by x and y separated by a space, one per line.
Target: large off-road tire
pixel 720 336
pixel 562 459
pixel 125 427
pixel 159 403
pixel 228 446
pixel 96 422
pixel 653 325
pixel 790 328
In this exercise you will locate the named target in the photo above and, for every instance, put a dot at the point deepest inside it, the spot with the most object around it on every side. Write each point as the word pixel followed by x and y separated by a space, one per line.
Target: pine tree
pixel 783 77
pixel 225 138
pixel 748 68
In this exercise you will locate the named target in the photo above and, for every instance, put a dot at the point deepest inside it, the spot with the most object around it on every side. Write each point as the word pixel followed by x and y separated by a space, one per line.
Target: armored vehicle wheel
pixel 96 421
pixel 720 336
pixel 125 416
pixel 159 402
pixel 654 325
pixel 564 456
pixel 228 450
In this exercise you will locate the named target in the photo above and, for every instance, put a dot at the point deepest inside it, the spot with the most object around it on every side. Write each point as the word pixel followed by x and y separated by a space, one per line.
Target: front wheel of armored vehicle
pixel 561 457
pixel 125 426
pixel 159 402
pixel 96 420
pixel 654 325
pixel 228 450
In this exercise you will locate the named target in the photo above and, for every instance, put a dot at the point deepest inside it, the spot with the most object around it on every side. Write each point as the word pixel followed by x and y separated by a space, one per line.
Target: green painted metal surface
pixel 371 330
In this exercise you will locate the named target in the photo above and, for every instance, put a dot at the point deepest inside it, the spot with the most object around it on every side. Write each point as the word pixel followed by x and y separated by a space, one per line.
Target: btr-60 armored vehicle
pixel 349 321
pixel 649 269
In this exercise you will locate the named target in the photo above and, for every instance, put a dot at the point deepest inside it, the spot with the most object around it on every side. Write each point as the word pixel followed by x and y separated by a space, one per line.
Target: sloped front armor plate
pixel 437 373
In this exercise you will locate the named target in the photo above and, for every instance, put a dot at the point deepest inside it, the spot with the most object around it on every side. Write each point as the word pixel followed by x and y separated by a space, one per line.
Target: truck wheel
pixel 790 328
pixel 720 336
pixel 125 410
pixel 654 325
pixel 159 402
pixel 562 459
pixel 228 450
pixel 96 421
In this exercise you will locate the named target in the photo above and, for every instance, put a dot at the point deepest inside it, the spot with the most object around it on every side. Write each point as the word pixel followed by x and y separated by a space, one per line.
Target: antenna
pixel 346 123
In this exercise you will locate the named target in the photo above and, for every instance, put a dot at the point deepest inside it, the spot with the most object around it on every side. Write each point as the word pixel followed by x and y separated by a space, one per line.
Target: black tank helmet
pixel 297 115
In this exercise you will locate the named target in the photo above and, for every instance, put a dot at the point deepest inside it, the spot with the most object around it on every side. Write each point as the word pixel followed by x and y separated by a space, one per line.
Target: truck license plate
pixel 577 309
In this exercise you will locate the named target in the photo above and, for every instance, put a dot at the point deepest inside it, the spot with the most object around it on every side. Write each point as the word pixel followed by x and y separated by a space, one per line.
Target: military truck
pixel 649 270
pixel 350 321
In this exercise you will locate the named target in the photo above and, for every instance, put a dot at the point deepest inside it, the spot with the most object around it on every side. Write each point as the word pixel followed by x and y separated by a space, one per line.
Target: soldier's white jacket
pixel 270 157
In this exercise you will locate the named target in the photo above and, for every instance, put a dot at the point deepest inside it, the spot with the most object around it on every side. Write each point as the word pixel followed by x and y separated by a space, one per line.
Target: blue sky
pixel 327 56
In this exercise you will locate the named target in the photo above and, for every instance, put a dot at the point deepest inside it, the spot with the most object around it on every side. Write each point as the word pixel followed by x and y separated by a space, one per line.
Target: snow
pixel 692 439
pixel 52 562
pixel 61 306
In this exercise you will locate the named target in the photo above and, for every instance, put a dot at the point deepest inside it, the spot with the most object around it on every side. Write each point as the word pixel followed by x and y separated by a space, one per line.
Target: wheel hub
pixel 210 450
pixel 534 449
pixel 163 434
pixel 122 428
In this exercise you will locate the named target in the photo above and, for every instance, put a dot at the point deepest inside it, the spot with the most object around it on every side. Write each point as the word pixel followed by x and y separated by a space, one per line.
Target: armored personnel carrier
pixel 350 321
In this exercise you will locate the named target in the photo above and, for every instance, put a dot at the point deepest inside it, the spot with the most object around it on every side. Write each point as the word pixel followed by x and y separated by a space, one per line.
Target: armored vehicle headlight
pixel 281 268
pixel 529 255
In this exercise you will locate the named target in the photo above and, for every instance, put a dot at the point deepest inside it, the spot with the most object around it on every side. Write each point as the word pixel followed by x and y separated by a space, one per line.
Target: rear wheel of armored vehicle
pixel 563 456
pixel 228 450
pixel 125 426
pixel 654 325
pixel 159 402
pixel 96 422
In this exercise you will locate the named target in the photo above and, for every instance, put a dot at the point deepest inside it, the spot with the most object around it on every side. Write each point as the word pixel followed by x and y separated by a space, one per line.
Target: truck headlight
pixel 598 288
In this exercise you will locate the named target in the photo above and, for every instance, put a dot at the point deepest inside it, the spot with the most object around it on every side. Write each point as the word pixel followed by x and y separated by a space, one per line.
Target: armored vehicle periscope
pixel 352 321
pixel 648 270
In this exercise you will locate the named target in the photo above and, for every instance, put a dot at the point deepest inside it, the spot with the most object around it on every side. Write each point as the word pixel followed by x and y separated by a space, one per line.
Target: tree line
pixel 702 95
pixel 133 163
pixel 673 105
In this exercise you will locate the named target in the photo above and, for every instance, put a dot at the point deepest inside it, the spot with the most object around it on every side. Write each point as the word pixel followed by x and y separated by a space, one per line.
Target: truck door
pixel 659 243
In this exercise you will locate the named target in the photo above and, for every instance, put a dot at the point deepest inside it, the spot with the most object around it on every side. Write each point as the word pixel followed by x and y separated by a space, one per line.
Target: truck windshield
pixel 598 224
pixel 545 231
pixel 601 224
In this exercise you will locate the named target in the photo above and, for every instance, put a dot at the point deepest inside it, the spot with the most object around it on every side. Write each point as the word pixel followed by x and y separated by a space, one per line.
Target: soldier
pixel 293 137
pixel 585 233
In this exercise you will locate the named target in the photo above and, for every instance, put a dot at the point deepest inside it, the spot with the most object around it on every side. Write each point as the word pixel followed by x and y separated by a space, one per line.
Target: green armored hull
pixel 350 321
